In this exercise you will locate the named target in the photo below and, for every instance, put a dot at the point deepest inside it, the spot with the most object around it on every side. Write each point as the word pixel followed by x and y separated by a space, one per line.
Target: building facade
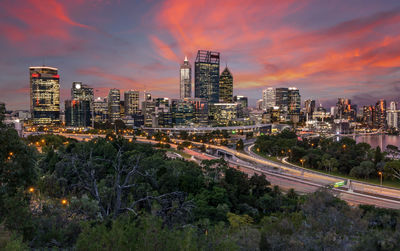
pixel 226 86
pixel 185 79
pixel 345 110
pixel 100 110
pixel 114 111
pixel 282 98
pixel 393 116
pixel 309 109
pixel 77 113
pixel 81 91
pixel 268 98
pixel 44 95
pixel 225 114
pixel 380 114
pixel 207 76
pixel 131 99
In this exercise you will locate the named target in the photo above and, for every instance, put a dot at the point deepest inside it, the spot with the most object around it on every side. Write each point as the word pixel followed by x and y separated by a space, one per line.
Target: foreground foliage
pixel 112 194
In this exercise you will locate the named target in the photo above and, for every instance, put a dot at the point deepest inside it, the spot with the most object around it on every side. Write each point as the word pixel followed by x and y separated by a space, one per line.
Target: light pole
pixel 302 165
pixel 380 174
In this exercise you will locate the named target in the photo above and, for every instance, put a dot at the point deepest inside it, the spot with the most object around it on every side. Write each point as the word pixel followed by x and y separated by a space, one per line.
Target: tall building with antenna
pixel 185 80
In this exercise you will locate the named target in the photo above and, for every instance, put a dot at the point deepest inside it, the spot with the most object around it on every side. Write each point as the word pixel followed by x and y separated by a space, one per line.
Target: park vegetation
pixel 343 156
pixel 115 194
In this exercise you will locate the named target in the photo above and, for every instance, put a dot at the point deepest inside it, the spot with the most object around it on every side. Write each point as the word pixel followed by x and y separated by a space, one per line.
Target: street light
pixel 31 190
pixel 64 202
pixel 380 174
pixel 302 162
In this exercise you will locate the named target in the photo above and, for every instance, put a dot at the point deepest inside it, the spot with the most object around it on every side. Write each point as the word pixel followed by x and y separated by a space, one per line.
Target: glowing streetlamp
pixel 64 202
pixel 380 175
pixel 302 162
pixel 31 189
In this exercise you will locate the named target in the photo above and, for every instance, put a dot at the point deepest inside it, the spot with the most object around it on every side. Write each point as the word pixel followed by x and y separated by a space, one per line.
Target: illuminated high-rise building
pixel 100 110
pixel 78 110
pixel 226 86
pixel 77 113
pixel 282 98
pixel 393 116
pixel 81 91
pixel 206 73
pixel 346 110
pixel 369 115
pixel 44 95
pixel 148 110
pixel 380 114
pixel 294 101
pixel 114 111
pixel 242 101
pixel 185 74
pixel 309 109
pixel 268 98
pixel 131 99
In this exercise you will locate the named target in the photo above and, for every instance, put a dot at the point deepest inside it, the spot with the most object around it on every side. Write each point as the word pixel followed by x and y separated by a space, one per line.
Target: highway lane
pixel 286 177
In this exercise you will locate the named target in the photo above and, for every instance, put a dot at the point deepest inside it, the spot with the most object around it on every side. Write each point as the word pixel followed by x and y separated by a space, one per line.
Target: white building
pixel 392 116
pixel 269 98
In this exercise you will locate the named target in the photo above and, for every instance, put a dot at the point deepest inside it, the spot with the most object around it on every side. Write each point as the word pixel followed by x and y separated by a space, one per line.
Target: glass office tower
pixel 114 111
pixel 44 95
pixel 206 73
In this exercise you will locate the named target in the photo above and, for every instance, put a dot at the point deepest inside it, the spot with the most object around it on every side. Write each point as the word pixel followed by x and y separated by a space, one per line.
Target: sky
pixel 328 49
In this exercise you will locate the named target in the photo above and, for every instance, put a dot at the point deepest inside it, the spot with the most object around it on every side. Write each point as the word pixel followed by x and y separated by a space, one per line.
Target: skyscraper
pixel 206 73
pixel 346 110
pixel 226 86
pixel 268 98
pixel 81 91
pixel 114 112
pixel 294 101
pixel 393 116
pixel 44 95
pixel 185 73
pixel 281 98
pixel 309 109
pixel 77 113
pixel 131 99
pixel 380 113
pixel 148 110
pixel 100 108
pixel 78 110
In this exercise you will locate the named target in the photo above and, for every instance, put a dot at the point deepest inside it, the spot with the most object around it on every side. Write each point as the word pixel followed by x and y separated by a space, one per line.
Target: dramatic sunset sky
pixel 327 49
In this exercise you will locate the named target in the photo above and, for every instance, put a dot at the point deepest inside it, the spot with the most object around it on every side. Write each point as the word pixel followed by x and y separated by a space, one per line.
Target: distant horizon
pixel 327 50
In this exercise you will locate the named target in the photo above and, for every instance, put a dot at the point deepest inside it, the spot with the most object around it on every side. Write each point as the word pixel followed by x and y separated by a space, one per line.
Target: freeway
pixel 287 176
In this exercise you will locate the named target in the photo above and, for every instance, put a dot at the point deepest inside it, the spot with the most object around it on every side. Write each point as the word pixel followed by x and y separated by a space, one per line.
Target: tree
pixel 392 169
pixel 239 145
pixel 392 150
pixel 365 169
pixel 110 173
pixel 378 157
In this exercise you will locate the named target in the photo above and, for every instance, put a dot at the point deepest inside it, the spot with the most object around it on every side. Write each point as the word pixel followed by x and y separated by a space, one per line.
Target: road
pixel 289 176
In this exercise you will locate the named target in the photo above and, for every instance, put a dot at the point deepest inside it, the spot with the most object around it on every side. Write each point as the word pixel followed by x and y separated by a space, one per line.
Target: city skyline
pixel 353 54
